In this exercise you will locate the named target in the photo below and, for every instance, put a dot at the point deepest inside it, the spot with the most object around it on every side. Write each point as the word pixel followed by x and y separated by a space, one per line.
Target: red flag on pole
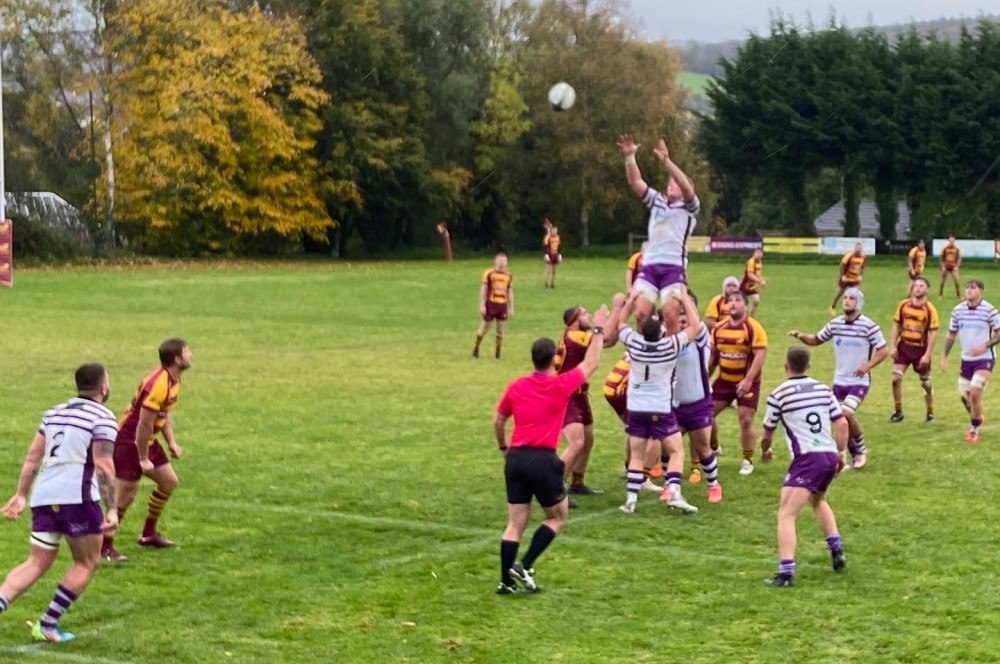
pixel 6 253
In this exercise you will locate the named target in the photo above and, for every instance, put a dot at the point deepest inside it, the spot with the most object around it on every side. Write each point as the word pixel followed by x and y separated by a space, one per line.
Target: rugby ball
pixel 562 96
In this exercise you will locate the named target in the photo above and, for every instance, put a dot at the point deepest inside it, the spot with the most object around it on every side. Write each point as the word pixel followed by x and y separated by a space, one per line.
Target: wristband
pixel 598 330
pixel 630 159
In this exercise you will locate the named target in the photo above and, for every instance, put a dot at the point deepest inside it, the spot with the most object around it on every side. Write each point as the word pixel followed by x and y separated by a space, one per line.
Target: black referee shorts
pixel 534 471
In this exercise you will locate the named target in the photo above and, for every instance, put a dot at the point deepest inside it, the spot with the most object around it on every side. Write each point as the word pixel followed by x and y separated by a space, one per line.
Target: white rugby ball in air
pixel 562 96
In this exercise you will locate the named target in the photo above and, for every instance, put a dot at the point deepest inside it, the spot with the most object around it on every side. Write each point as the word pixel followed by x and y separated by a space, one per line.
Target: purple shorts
pixel 695 416
pixel 69 520
pixel 813 471
pixel 970 367
pixel 841 392
pixel 651 425
pixel 661 276
pixel 495 311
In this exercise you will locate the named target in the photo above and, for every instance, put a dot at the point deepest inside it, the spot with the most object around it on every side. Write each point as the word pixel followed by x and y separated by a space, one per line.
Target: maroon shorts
pixel 553 258
pixel 724 391
pixel 847 284
pixel 909 355
pixel 127 460
pixel 69 520
pixel 495 310
pixel 945 268
pixel 618 402
pixel 578 411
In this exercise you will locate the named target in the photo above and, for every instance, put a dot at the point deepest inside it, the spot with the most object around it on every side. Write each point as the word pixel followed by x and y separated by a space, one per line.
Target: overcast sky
pixel 718 20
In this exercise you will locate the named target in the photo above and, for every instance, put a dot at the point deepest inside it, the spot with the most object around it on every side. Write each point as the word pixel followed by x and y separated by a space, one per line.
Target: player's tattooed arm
pixel 949 341
pixel 994 340
pixel 105 466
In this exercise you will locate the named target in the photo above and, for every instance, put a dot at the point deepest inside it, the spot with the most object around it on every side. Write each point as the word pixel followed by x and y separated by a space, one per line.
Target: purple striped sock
pixel 710 467
pixel 61 600
pixel 674 479
pixel 634 481
pixel 786 567
pixel 4 603
pixel 664 460
pixel 833 541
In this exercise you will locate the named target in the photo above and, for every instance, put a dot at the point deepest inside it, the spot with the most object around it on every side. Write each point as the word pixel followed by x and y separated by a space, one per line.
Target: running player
pixel 68 467
pixel 852 269
pixel 632 268
pixel 915 263
pixel 693 400
pixel 951 260
pixel 976 323
pixel 739 346
pixel 551 243
pixel 753 280
pixel 650 416
pixel 671 222
pixel 718 307
pixel 858 347
pixel 138 452
pixel 578 426
pixel 911 343
pixel 817 438
pixel 496 301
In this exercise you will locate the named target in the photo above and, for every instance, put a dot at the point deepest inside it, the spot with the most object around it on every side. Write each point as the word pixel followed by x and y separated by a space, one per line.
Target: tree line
pixel 914 119
pixel 195 127
pixel 231 127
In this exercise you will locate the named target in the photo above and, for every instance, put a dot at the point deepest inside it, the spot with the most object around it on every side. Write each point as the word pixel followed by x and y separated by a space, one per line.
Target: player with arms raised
pixel 911 343
pixel 817 438
pixel 951 260
pixel 671 222
pixel 858 347
pixel 496 301
pixel 550 243
pixel 976 323
pixel 852 269
pixel 652 358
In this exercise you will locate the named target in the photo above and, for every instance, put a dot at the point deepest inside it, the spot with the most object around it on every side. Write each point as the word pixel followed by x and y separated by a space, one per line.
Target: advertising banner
pixel 734 245
pixel 838 246
pixel 699 244
pixel 969 248
pixel 791 245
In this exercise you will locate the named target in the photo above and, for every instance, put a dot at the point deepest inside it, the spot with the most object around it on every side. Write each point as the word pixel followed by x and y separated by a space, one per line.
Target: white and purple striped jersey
pixel 651 370
pixel 806 407
pixel 670 226
pixel 66 476
pixel 853 343
pixel 974 325
pixel 691 383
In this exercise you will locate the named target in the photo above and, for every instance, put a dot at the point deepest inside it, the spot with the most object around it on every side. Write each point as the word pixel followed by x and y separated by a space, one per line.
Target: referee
pixel 538 404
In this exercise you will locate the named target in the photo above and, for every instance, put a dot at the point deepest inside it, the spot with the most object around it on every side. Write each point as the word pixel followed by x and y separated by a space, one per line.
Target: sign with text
pixel 734 245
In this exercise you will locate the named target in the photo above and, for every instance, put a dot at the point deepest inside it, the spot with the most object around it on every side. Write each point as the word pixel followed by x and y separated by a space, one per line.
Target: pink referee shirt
pixel 538 403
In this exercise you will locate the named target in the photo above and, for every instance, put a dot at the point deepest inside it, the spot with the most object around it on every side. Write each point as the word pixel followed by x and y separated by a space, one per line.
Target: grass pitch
pixel 341 494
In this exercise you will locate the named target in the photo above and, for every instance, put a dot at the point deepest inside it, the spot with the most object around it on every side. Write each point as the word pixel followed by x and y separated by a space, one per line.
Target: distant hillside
pixel 703 58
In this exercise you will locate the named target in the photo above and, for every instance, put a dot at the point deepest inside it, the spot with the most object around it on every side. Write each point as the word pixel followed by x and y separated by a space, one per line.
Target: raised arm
pixel 629 148
pixel 592 359
pixel 691 311
pixel 682 180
